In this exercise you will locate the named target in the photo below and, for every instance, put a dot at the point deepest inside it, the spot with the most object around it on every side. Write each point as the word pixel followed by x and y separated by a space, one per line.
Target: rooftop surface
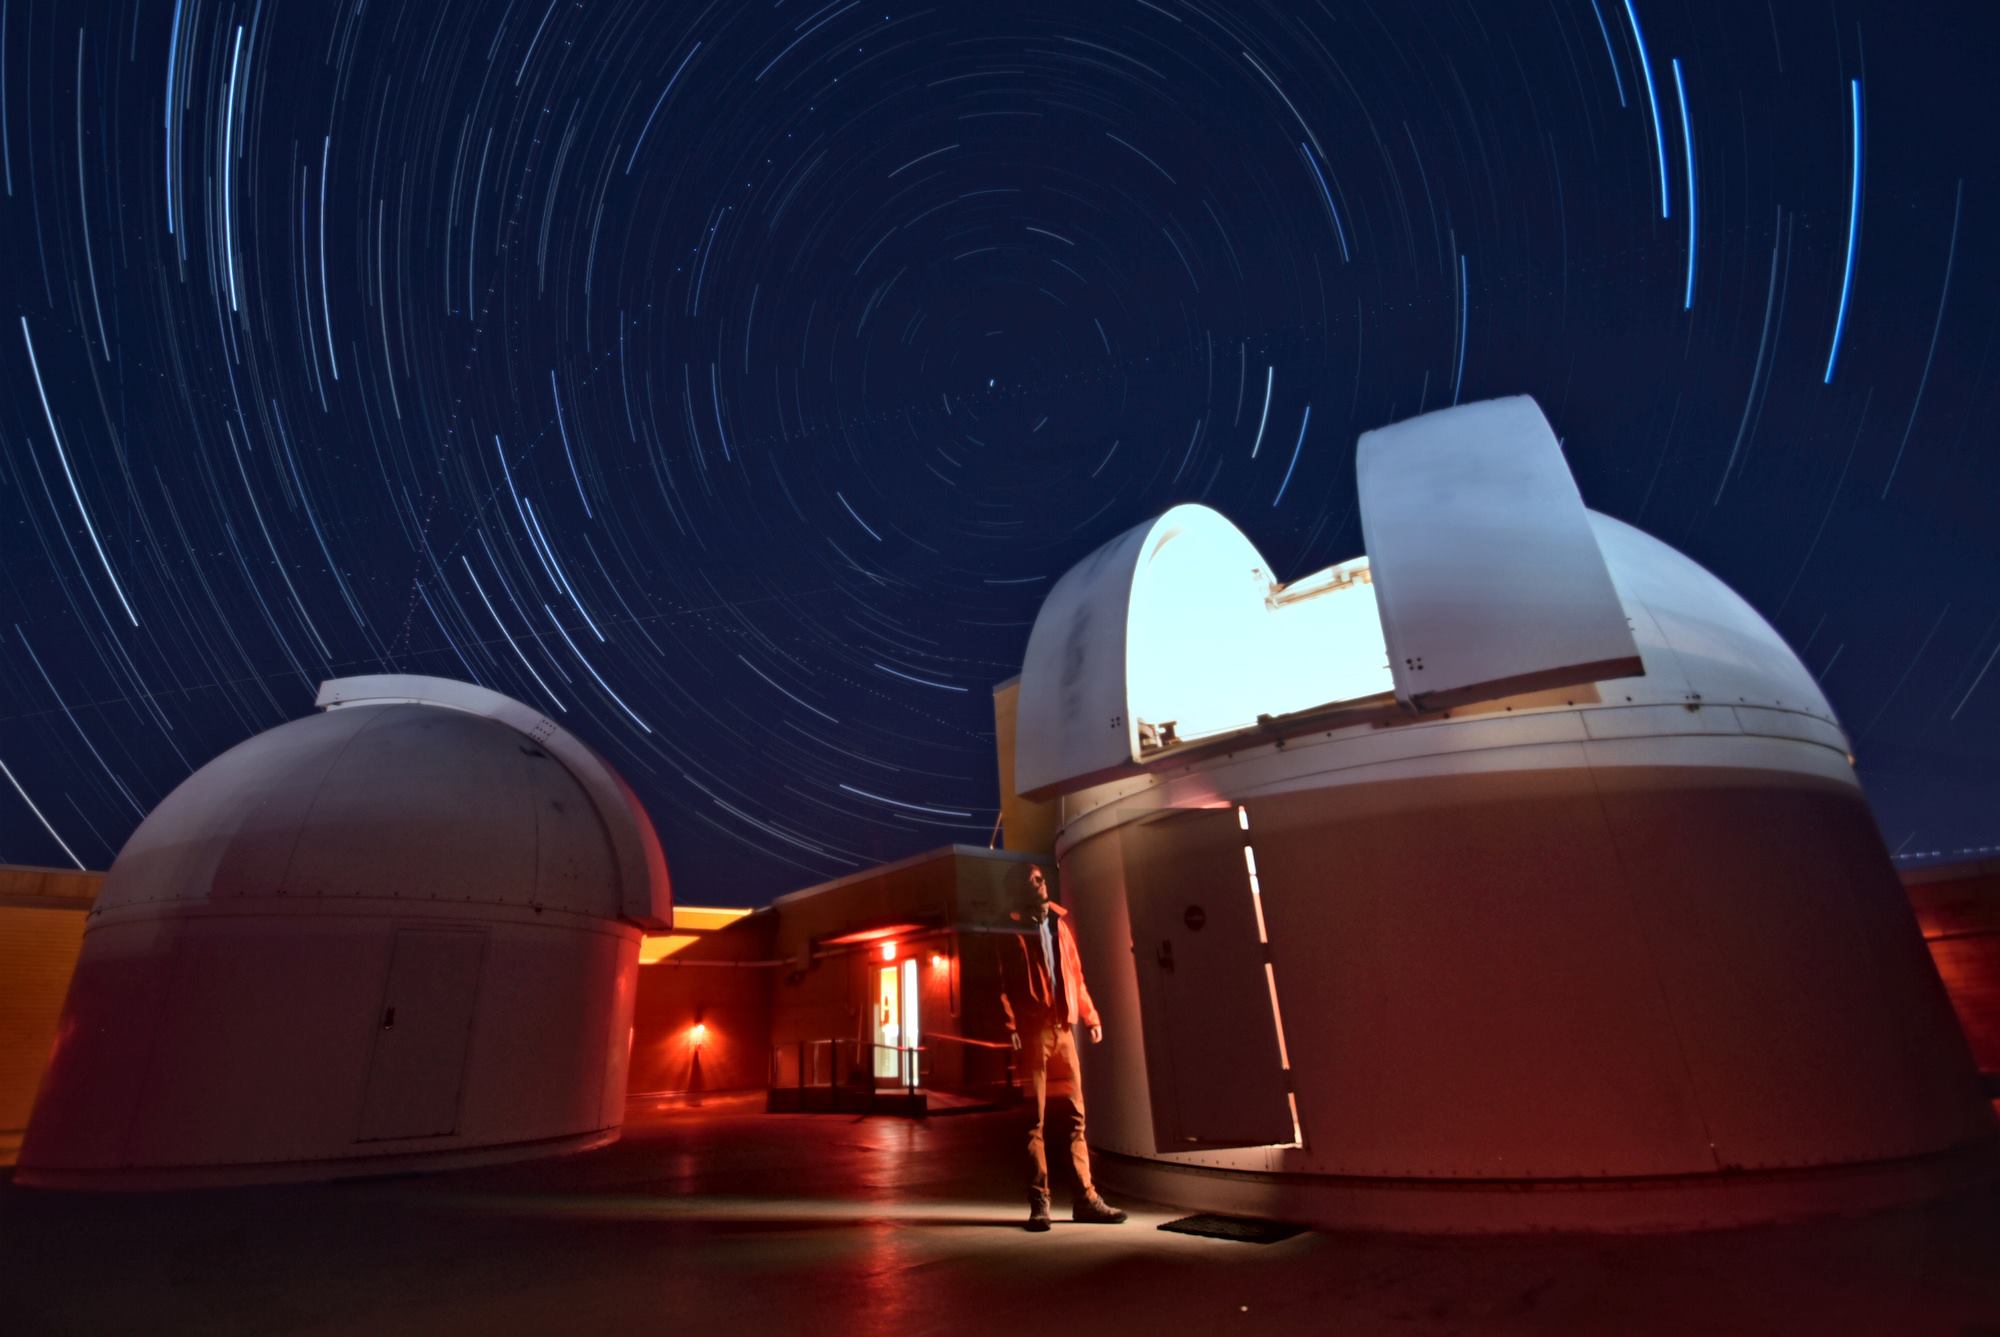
pixel 723 1218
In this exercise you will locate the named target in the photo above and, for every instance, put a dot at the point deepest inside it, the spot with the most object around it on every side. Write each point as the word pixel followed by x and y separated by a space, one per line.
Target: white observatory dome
pixel 1514 875
pixel 400 931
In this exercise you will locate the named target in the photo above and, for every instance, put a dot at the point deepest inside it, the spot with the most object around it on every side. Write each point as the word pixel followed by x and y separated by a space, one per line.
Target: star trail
pixel 732 381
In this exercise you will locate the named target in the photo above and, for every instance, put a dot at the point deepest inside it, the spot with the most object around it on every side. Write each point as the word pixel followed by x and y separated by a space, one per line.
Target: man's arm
pixel 1006 1003
pixel 1086 1007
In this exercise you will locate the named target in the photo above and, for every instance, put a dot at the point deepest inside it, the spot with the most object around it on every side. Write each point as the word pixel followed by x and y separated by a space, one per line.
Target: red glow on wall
pixel 876 934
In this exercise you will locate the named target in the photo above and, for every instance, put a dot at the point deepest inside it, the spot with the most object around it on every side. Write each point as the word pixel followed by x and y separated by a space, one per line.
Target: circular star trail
pixel 732 382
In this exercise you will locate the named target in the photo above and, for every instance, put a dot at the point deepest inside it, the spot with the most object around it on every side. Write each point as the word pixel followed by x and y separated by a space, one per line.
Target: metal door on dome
pixel 1215 1069
pixel 422 1034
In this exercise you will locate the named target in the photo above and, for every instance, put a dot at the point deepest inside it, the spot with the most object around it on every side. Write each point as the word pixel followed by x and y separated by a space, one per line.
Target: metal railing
pixel 841 1074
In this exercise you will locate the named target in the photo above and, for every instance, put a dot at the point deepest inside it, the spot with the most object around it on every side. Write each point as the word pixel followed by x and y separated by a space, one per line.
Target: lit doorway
pixel 896 1024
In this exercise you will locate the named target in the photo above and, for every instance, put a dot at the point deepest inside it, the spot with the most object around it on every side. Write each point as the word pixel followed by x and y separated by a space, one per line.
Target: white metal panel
pixel 424 805
pixel 229 829
pixel 1729 653
pixel 1791 724
pixel 1489 579
pixel 645 896
pixel 1073 727
pixel 417 1071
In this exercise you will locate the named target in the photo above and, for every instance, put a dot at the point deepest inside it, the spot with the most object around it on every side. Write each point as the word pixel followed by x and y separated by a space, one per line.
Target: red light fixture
pixel 888 951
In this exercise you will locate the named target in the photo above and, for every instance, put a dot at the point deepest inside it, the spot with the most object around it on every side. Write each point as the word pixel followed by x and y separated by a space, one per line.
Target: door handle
pixel 1165 956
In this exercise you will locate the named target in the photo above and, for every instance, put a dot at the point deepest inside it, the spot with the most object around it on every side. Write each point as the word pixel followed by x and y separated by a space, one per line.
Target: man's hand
pixel 1097 1035
pixel 1014 1038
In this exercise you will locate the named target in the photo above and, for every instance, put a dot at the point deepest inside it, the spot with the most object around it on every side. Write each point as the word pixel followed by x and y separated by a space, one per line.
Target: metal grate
pixel 1242 1229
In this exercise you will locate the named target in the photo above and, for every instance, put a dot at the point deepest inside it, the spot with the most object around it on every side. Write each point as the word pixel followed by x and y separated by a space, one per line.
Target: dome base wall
pixel 252 1040
pixel 1542 973
pixel 1662 1205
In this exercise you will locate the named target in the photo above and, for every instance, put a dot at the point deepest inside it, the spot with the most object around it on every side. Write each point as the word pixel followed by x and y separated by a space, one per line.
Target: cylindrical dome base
pixel 1617 984
pixel 402 934
pixel 357 1039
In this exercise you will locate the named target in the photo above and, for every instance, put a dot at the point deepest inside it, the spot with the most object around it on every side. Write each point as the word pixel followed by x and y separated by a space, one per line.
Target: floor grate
pixel 1242 1229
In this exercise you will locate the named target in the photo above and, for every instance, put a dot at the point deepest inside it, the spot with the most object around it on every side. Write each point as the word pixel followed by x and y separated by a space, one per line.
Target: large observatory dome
pixel 1512 875
pixel 400 931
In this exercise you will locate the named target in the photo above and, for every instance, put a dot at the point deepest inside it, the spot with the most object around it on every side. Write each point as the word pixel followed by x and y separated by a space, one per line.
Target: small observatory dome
pixel 401 933
pixel 1513 875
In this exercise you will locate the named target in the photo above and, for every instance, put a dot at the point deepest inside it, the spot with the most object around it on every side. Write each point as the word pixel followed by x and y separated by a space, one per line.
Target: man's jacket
pixel 1026 999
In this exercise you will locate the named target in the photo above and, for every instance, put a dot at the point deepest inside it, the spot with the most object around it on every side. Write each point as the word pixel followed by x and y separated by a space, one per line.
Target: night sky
pixel 732 382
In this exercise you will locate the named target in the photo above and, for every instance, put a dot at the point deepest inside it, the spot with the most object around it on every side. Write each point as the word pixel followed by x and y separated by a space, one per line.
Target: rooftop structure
pixel 400 933
pixel 1519 853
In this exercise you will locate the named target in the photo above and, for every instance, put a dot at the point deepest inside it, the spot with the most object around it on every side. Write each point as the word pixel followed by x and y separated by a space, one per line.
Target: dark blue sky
pixel 733 381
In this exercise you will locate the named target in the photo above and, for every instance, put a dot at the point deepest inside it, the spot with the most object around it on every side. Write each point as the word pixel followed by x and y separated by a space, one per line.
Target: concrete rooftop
pixel 722 1218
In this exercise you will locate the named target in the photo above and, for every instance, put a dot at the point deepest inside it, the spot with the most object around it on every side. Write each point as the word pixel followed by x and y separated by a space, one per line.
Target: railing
pixel 840 1074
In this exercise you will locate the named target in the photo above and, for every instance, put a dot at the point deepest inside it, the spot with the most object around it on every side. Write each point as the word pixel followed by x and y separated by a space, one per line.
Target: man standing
pixel 1044 999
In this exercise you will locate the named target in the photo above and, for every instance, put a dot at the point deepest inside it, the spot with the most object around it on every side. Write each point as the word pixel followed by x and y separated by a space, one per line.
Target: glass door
pixel 912 1034
pixel 888 1020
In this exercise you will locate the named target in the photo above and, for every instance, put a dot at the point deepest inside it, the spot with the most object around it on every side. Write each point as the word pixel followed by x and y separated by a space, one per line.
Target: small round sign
pixel 1194 918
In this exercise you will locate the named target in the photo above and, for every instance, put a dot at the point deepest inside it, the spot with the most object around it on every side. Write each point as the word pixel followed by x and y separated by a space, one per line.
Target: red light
pixel 938 962
pixel 888 951
pixel 699 1033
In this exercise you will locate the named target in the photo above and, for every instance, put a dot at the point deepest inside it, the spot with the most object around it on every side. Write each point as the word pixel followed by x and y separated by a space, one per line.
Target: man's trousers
pixel 1052 1070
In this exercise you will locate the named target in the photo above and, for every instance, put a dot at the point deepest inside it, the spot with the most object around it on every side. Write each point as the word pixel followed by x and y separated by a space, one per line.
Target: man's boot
pixel 1038 1215
pixel 1094 1210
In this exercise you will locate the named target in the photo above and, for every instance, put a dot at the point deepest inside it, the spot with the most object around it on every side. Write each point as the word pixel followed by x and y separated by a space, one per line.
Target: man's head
pixel 1038 889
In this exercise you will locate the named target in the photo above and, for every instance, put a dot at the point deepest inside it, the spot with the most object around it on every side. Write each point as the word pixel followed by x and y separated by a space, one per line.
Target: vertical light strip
pixel 1853 231
pixel 1256 893
pixel 1270 975
pixel 1616 77
pixel 1464 319
pixel 228 152
pixel 1277 1018
pixel 1653 102
pixel 1687 143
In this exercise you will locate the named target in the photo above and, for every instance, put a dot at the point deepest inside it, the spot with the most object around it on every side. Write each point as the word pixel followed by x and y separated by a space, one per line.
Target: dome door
pixel 1215 1062
pixel 1488 577
pixel 422 1034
